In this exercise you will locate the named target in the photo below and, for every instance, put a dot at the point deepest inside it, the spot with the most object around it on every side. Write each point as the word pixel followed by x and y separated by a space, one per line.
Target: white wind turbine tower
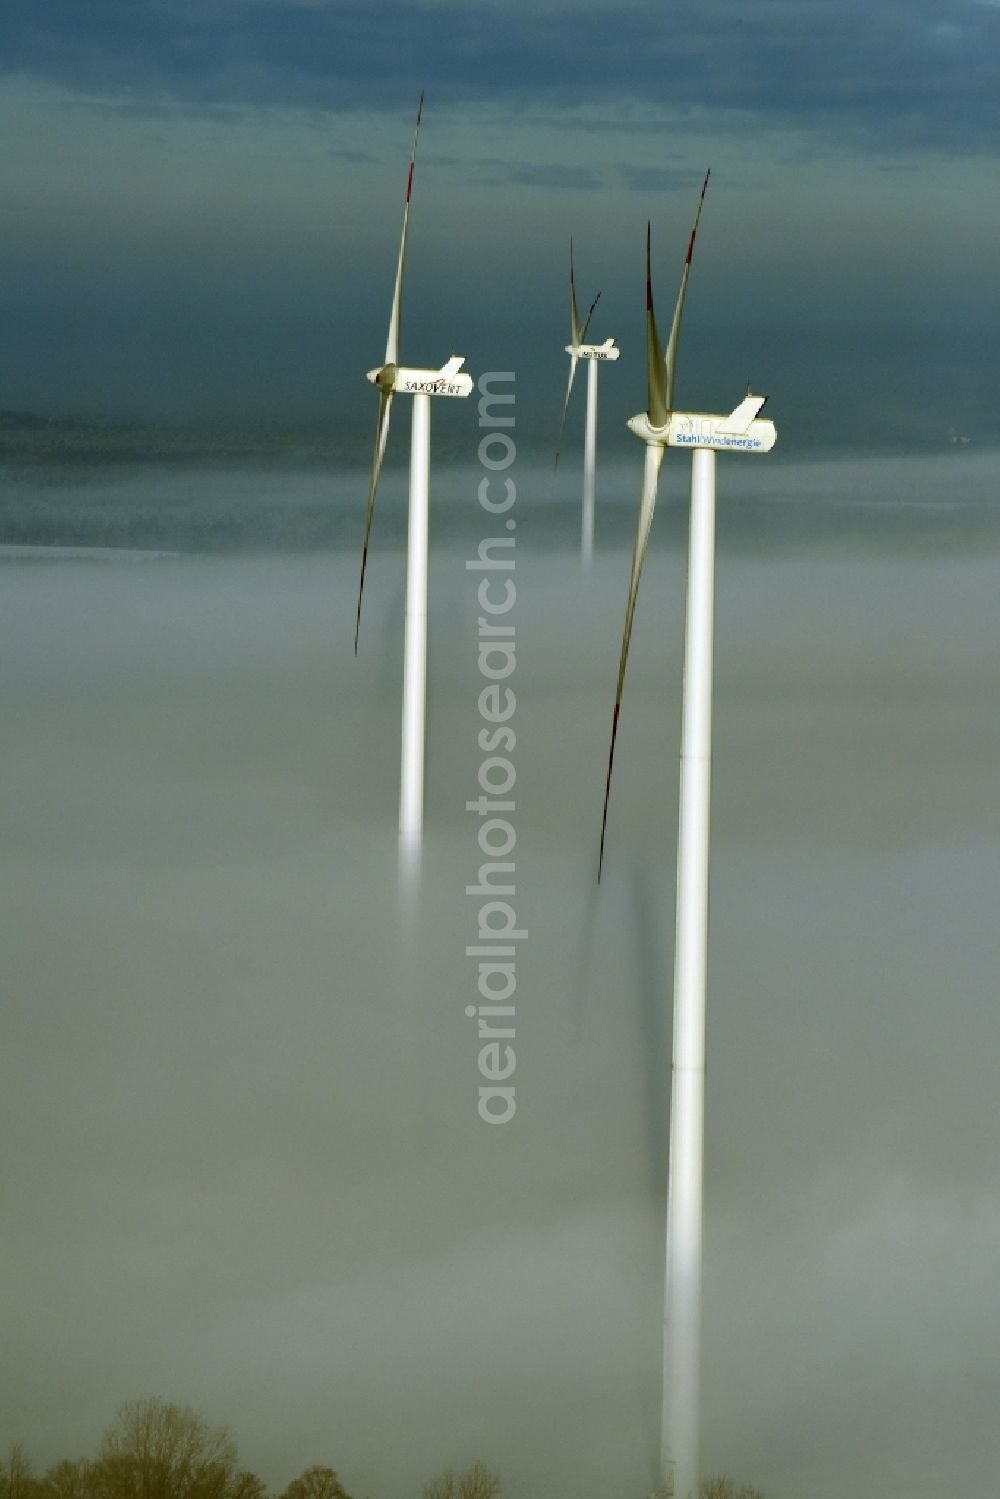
pixel 660 427
pixel 594 354
pixel 392 379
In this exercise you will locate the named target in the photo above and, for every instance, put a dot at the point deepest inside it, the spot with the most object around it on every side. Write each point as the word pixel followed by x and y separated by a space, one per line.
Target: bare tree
pixel 155 1450
pixel 476 1482
pixel 316 1483
pixel 246 1485
pixel 67 1479
pixel 17 1481
pixel 725 1488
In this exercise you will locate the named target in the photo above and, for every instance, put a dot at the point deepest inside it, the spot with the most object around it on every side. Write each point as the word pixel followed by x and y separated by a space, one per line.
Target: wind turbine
pixel 392 379
pixel 660 427
pixel 594 354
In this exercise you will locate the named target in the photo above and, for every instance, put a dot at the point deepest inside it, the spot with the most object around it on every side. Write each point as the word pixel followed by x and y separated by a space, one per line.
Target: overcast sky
pixel 200 201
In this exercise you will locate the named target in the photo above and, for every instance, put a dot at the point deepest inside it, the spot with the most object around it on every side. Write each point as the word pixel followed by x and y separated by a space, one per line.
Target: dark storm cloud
pixel 902 74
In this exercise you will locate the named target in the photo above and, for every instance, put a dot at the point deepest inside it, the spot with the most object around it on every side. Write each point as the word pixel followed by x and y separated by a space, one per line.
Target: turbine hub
pixel 643 428
pixel 384 376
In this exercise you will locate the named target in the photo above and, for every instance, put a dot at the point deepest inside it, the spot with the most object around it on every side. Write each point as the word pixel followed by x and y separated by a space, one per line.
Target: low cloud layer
pixel 243 1166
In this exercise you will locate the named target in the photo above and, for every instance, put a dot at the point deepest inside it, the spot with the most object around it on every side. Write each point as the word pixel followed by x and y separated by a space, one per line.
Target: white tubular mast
pixel 411 792
pixel 680 1440
pixel 589 465
pixel 682 1301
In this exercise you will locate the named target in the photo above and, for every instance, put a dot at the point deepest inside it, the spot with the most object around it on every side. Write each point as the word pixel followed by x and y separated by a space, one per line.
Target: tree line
pixel 156 1450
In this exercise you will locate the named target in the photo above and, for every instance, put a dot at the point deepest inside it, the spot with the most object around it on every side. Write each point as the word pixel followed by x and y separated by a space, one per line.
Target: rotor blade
pixel 392 341
pixel 574 316
pixel 573 362
pixel 590 314
pixel 381 434
pixel 656 386
pixel 654 457
pixel 675 326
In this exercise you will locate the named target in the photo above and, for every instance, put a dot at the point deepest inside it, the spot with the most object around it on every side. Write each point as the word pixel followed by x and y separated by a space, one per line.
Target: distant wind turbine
pixel 660 426
pixel 578 349
pixel 392 379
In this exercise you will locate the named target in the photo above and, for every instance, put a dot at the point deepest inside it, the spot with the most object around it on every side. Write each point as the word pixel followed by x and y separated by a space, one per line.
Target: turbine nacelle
pixel 401 380
pixel 739 432
pixel 607 350
pixel 695 429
